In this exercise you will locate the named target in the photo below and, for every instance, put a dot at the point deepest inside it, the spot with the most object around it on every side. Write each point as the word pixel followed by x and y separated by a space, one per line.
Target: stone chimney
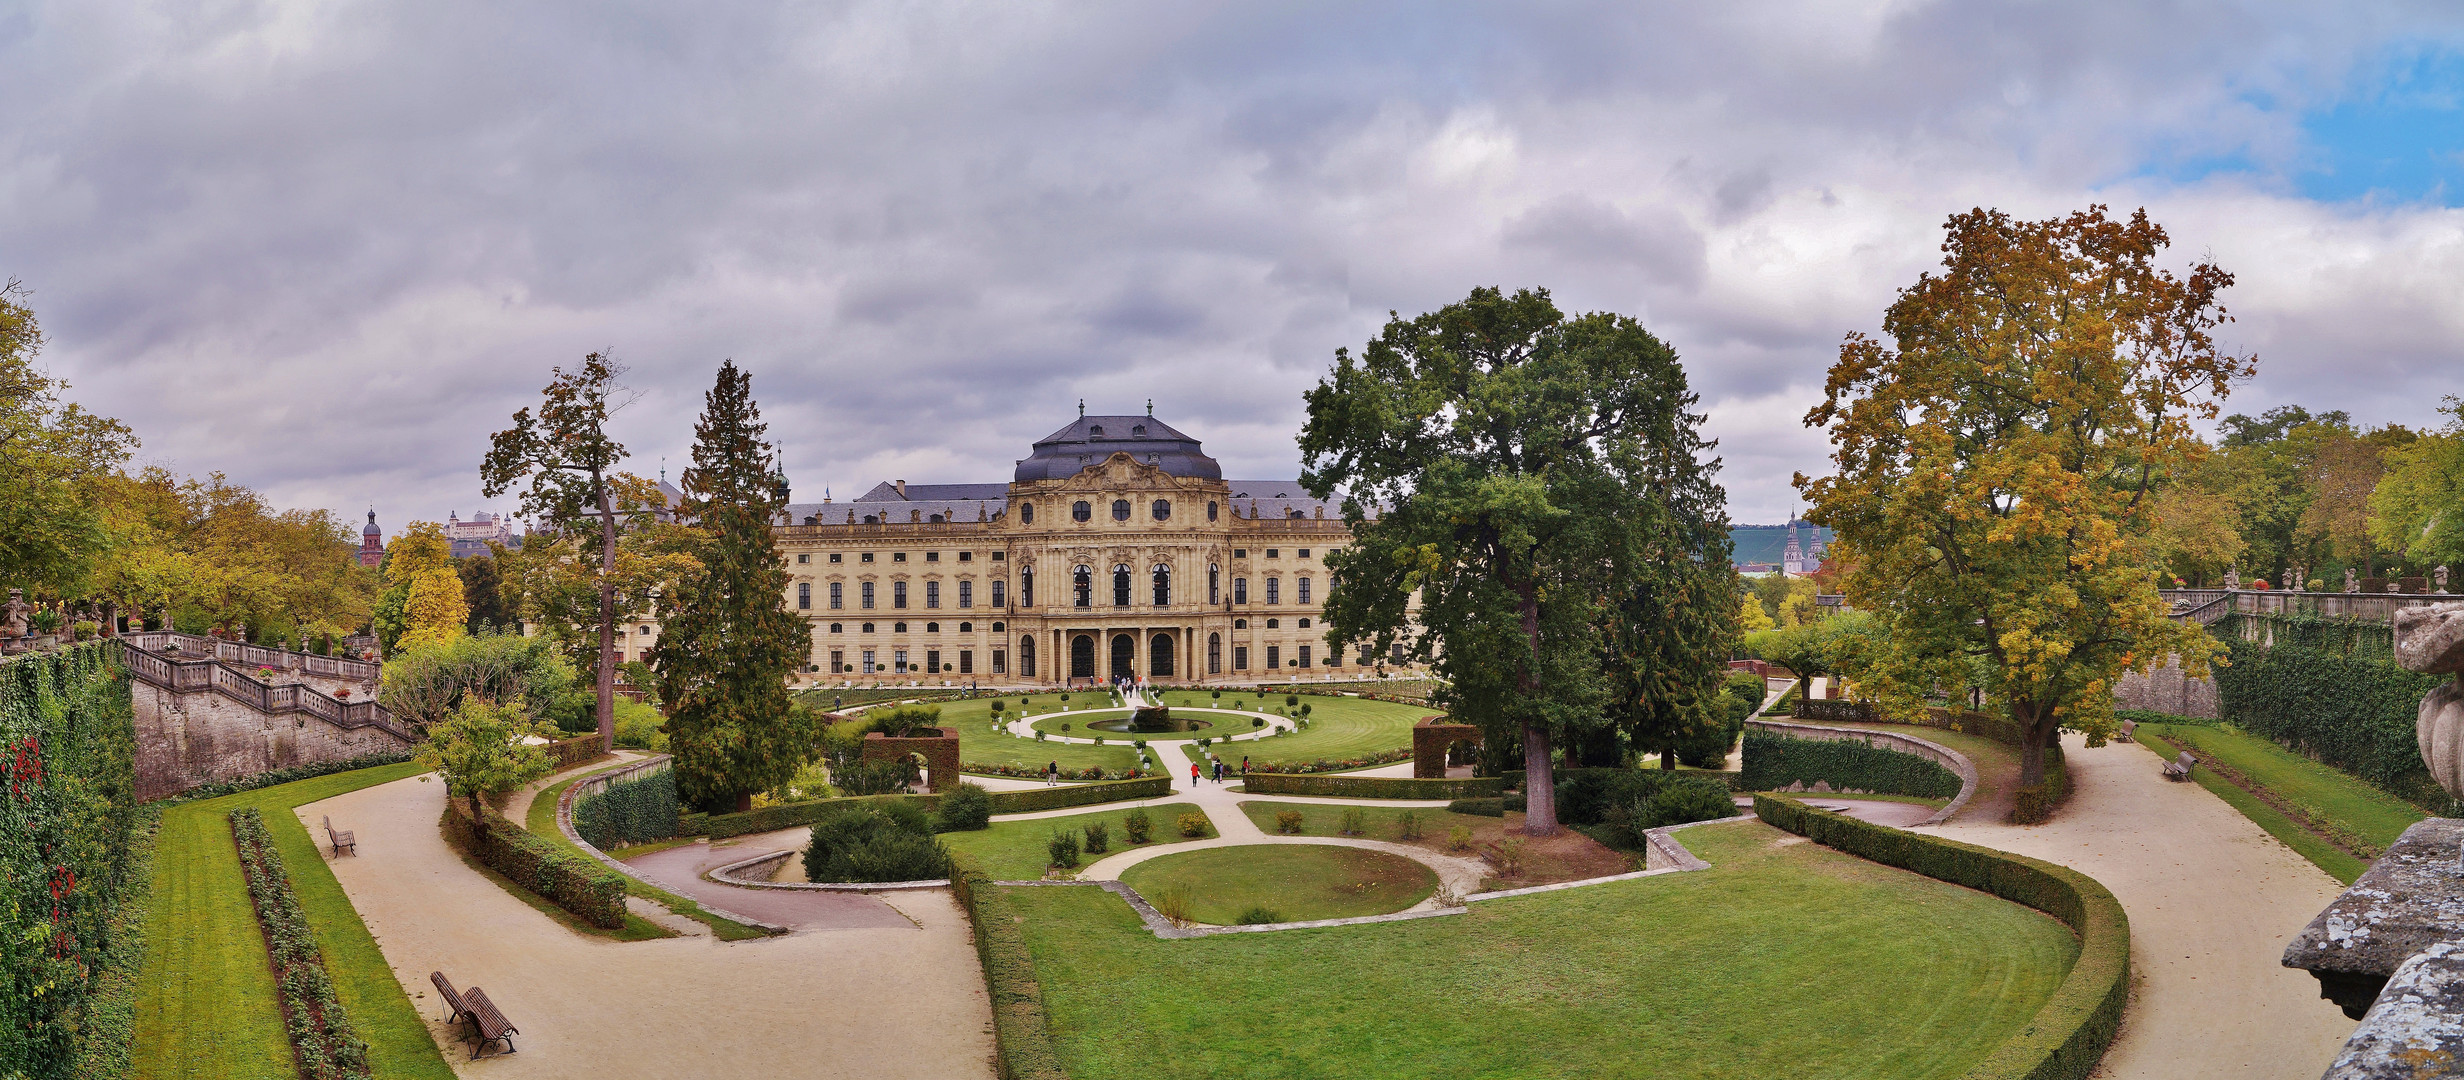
pixel 902 488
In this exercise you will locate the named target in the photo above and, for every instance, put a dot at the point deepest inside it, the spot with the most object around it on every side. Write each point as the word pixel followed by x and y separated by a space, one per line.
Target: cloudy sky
pixel 328 247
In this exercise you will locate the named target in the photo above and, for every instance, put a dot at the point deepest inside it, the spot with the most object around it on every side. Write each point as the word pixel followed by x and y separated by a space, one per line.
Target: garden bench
pixel 341 838
pixel 2129 729
pixel 455 1011
pixel 487 1024
pixel 2179 768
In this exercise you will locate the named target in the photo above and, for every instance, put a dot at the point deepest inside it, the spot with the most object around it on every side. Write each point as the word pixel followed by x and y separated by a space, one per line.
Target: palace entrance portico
pixel 1116 652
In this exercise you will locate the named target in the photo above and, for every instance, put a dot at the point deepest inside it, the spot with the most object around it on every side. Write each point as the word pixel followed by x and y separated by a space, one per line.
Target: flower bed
pixel 1036 772
pixel 321 1036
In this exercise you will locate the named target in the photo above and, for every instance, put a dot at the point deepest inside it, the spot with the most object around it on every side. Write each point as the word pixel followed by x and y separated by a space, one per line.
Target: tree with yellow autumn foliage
pixel 1997 465
pixel 423 595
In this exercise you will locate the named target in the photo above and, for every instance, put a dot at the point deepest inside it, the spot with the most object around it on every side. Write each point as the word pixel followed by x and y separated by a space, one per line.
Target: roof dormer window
pixel 1138 432
pixel 1095 432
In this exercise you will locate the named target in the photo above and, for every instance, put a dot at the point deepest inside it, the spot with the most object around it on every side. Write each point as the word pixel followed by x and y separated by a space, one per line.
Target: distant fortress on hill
pixel 1765 549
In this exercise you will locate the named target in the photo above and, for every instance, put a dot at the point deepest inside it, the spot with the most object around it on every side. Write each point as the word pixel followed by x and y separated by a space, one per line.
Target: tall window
pixel 1240 657
pixel 1026 513
pixel 869 666
pixel 1026 587
pixel 998 586
pixel 1000 661
pixel 966 594
pixel 1304 591
pixel 838 595
pixel 1163 586
pixel 1214 654
pixel 804 596
pixel 966 661
pixel 932 594
pixel 1026 656
pixel 1274 590
pixel 1210 511
pixel 1120 509
pixel 932 661
pixel 1082 510
pixel 1240 590
pixel 1274 656
pixel 838 661
pixel 898 593
pixel 1083 581
pixel 898 660
pixel 1397 654
pixel 1214 584
pixel 1304 656
pixel 1120 586
pixel 867 587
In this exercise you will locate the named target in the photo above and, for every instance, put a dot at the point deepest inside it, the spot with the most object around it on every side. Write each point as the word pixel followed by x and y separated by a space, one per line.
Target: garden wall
pixel 1372 787
pixel 190 738
pixel 2168 689
pixel 788 816
pixel 69 851
pixel 2071 1031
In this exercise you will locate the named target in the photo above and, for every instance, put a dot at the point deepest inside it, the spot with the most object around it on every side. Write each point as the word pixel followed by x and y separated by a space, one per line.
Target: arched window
pixel 1026 516
pixel 1081 510
pixel 935 519
pixel 1304 624
pixel 1120 586
pixel 898 628
pixel 932 628
pixel 1159 656
pixel 1083 583
pixel 1120 509
pixel 1138 432
pixel 868 628
pixel 1163 510
pixel 838 628
pixel 1026 587
pixel 966 628
pixel 1292 513
pixel 870 519
pixel 1214 584
pixel 1214 654
pixel 1163 585
pixel 1210 510
pixel 1095 432
pixel 1273 624
pixel 804 596
pixel 1240 624
pixel 996 628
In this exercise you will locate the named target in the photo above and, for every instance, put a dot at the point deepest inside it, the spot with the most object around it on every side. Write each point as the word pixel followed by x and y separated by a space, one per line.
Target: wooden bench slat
pixel 453 1001
pixel 489 1024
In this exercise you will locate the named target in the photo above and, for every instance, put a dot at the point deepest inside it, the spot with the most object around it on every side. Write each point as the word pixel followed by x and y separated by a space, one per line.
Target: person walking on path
pixel 1193 775
pixel 1244 768
pixel 1052 774
pixel 1219 770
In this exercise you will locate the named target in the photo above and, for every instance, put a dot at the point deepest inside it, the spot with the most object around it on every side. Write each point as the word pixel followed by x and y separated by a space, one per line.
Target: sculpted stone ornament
pixel 2232 578
pixel 2352 580
pixel 13 614
pixel 2440 575
pixel 2430 640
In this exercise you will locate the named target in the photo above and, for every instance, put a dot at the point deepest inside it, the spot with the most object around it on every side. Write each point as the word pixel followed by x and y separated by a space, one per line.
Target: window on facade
pixel 867 590
pixel 935 556
pixel 932 628
pixel 966 556
pixel 1163 510
pixel 936 519
pixel 932 594
pixel 804 596
pixel 966 661
pixel 1302 595
pixel 1304 656
pixel 868 628
pixel 866 557
pixel 898 556
pixel 966 594
pixel 836 557
pixel 1163 586
pixel 1120 586
pixel 1214 654
pixel 838 596
pixel 898 661
pixel 1240 624
pixel 1274 590
pixel 838 628
pixel 898 593
pixel 870 520
pixel 1240 553
pixel 1274 656
pixel 1273 624
pixel 996 556
pixel 1082 510
pixel 1000 662
pixel 645 629
pixel 1120 509
pixel 1240 590
pixel 1082 581
pixel 932 661
pixel 898 628
pixel 1214 584
pixel 1026 656
pixel 1240 657
pixel 869 666
pixel 1304 624
pixel 1273 553
pixel 1363 658
pixel 1026 587
pixel 966 628
pixel 997 590
pixel 1397 654
pixel 1210 510
pixel 1026 513
pixel 804 558
pixel 838 661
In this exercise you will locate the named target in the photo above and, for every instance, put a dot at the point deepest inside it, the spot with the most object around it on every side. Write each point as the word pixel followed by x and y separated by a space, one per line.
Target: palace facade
pixel 1116 549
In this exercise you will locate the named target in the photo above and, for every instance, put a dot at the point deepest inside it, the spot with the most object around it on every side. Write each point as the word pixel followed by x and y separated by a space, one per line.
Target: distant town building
pixel 1801 558
pixel 371 542
pixel 470 538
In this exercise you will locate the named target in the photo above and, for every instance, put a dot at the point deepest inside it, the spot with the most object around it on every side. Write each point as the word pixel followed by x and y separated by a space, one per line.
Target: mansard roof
pixel 886 491
pixel 1090 439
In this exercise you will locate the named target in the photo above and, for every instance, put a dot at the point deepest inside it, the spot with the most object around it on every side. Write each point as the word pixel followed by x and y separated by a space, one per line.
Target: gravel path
pixel 869 1003
pixel 2212 901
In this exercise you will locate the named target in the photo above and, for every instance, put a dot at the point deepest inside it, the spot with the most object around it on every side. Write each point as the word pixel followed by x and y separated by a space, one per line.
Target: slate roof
pixel 1090 439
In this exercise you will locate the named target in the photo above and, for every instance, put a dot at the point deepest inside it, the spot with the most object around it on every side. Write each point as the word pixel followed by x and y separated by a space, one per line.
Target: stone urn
pixel 2430 640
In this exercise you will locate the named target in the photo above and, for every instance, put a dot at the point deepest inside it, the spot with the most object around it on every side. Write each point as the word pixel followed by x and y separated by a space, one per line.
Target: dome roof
pixel 1093 438
pixel 372 530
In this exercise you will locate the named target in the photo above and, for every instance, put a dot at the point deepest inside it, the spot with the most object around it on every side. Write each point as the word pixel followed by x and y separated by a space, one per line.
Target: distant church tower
pixel 371 542
pixel 1791 562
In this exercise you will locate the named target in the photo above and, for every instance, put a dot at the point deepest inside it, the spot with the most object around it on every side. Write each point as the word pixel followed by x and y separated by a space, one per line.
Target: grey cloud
pixel 1580 229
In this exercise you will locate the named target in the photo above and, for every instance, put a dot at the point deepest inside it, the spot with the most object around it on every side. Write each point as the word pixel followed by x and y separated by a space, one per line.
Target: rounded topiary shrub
pixel 965 809
pixel 875 841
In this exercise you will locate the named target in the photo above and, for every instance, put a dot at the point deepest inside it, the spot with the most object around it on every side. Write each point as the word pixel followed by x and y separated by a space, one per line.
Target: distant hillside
pixel 1766 543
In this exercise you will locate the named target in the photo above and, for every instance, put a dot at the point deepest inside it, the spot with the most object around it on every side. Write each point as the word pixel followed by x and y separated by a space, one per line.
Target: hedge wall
pixel 2070 1032
pixel 1776 761
pixel 634 811
pixel 1372 787
pixel 1054 798
pixel 68 820
pixel 574 882
pixel 722 826
pixel 1020 1028
pixel 272 777
pixel 2352 708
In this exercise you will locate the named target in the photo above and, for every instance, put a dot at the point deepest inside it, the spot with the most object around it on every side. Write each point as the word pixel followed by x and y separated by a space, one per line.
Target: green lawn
pixel 1292 882
pixel 1339 728
pixel 1784 959
pixel 1382 822
pixel 1997 763
pixel 542 823
pixel 205 1000
pixel 978 742
pixel 2333 802
pixel 1014 850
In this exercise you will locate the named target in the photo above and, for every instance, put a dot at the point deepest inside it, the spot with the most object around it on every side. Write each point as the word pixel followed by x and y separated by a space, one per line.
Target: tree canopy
pixel 52 452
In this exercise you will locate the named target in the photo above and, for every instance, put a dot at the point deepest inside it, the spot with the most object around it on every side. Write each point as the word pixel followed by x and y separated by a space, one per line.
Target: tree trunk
pixel 607 617
pixel 1668 759
pixel 744 802
pixel 1539 784
pixel 2031 745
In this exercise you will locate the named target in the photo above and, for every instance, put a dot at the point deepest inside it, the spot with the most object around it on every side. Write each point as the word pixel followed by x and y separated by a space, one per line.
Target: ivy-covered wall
pixel 67 809
pixel 2330 688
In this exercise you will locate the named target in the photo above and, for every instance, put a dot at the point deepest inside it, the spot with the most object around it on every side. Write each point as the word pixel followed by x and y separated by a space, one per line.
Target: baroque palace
pixel 1117 549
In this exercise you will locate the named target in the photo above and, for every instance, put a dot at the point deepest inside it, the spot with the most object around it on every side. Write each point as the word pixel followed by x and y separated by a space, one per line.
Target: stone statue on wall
pixel 2352 580
pixel 2430 640
pixel 2440 575
pixel 2232 578
pixel 13 614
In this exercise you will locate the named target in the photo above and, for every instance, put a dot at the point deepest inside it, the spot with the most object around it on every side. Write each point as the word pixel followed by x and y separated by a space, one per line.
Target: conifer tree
pixel 729 643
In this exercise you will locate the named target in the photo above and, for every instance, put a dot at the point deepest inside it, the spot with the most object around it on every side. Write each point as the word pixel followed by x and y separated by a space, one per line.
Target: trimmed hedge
pixel 1776 761
pixel 68 864
pixel 2349 707
pixel 321 1035
pixel 1482 807
pixel 1834 709
pixel 271 777
pixel 578 750
pixel 722 826
pixel 570 880
pixel 1372 787
pixel 2071 1031
pixel 634 811
pixel 1020 1027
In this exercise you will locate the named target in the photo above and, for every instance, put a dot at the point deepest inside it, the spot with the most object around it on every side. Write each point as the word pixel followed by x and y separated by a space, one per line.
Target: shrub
pixel 1305 710
pixel 1062 845
pixel 1173 905
pixel 1099 838
pixel 1257 721
pixel 631 811
pixel 1683 800
pixel 640 727
pixel 965 809
pixel 1055 798
pixel 1192 823
pixel 1065 727
pixel 1257 915
pixel 1507 856
pixel 1264 782
pixel 572 881
pixel 1290 700
pixel 1458 838
pixel 1039 736
pixel 1137 826
pixel 320 1031
pixel 1775 761
pixel 870 778
pixel 1288 822
pixel 1355 822
pixel 1219 695
pixel 884 840
pixel 1409 823
pixel 1481 807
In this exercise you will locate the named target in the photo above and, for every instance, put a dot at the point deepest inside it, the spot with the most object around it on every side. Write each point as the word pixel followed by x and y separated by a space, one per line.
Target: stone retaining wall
pixel 186 739
pixel 2168 690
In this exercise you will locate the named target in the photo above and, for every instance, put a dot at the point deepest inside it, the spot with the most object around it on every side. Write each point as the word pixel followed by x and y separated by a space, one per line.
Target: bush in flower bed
pixel 320 1031
pixel 1036 772
pixel 1382 757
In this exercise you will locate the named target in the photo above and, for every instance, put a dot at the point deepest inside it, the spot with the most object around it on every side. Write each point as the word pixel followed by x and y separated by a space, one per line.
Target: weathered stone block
pixel 2417 1027
pixel 2409 900
pixel 2430 639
